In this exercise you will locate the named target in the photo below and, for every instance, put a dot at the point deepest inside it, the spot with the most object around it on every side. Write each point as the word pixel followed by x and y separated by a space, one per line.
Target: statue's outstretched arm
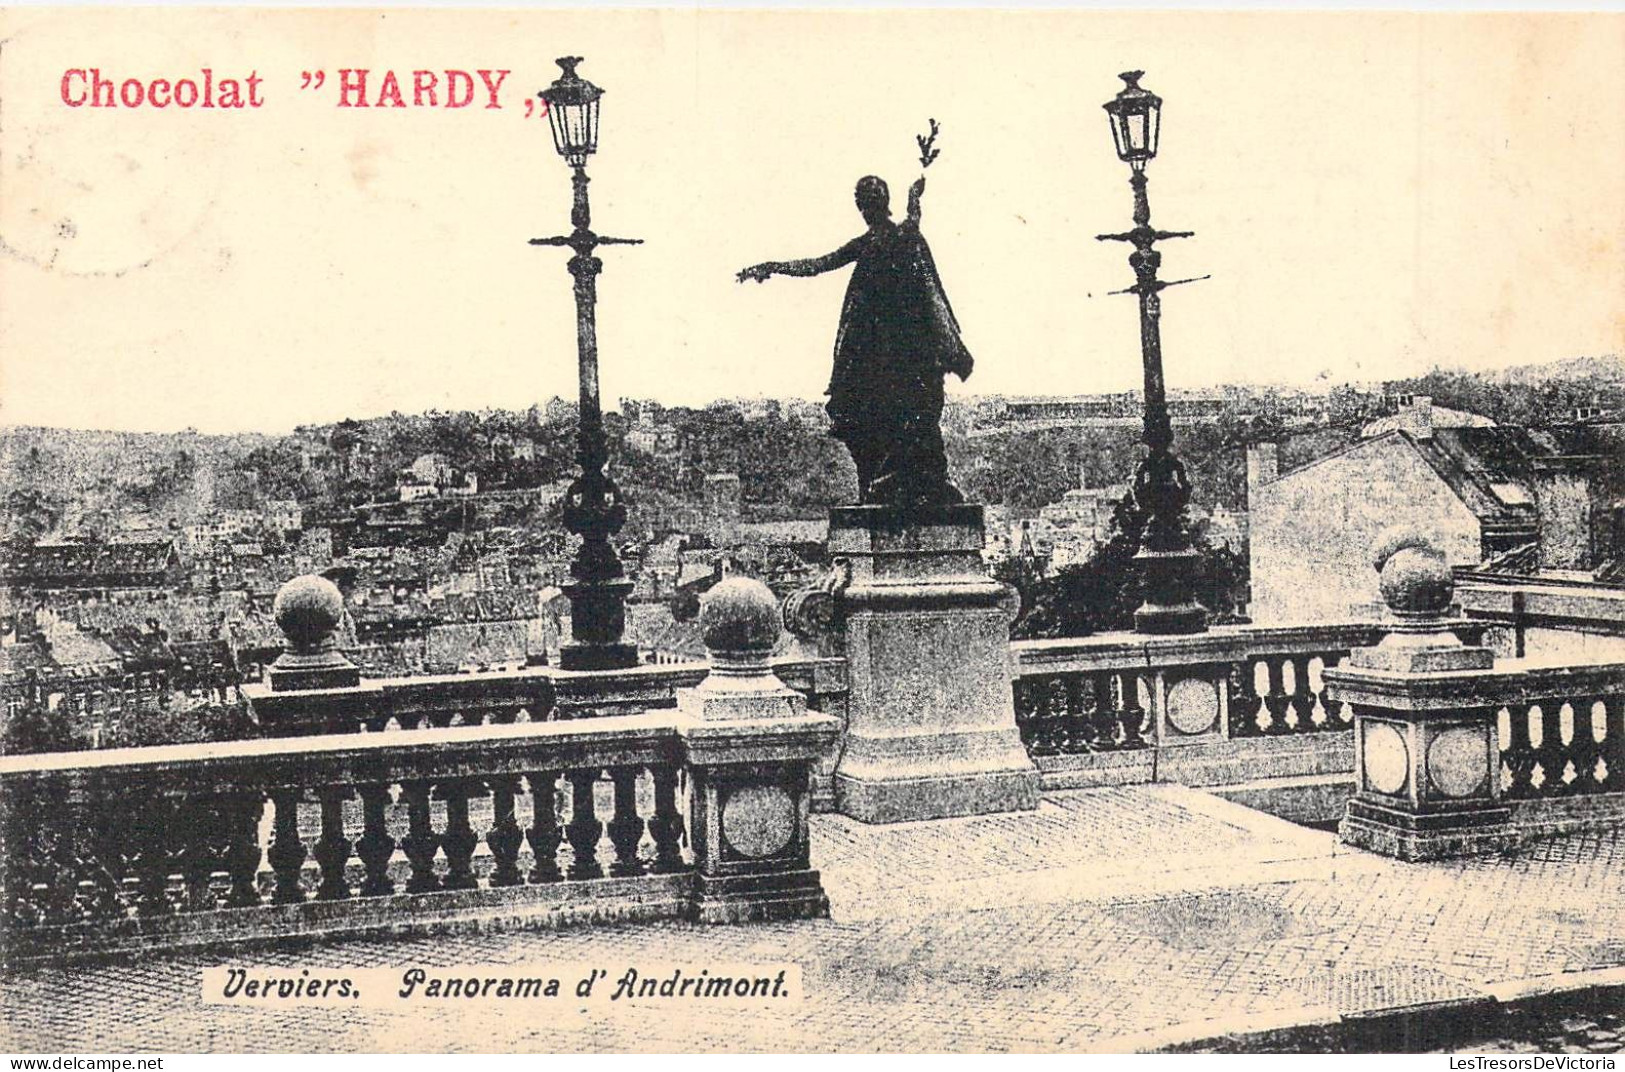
pixel 914 193
pixel 807 266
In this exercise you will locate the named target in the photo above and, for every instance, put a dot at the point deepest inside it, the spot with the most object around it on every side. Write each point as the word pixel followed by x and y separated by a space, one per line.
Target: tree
pixel 1101 594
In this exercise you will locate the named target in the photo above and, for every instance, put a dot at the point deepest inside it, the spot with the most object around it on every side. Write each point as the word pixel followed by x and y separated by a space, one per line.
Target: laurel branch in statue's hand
pixel 757 272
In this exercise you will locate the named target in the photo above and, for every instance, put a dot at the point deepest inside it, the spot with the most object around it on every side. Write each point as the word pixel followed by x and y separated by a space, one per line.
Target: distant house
pixel 1478 489
pixel 84 564
pixel 413 489
pixel 808 536
pixel 1418 415
pixel 1079 522
pixel 432 468
pixel 284 515
pixel 220 525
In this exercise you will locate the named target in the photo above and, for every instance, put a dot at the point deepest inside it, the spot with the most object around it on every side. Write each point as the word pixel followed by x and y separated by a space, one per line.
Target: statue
pixel 897 340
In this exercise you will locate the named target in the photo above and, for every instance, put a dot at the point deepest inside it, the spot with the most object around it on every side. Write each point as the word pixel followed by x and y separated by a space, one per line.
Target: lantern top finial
pixel 1132 95
pixel 570 88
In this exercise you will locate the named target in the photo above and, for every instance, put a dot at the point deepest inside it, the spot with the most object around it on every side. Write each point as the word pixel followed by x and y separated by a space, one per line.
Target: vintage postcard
pixel 875 530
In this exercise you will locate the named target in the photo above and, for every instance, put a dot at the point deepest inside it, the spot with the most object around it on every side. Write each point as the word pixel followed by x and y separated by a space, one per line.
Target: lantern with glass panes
pixel 572 109
pixel 593 508
pixel 1136 118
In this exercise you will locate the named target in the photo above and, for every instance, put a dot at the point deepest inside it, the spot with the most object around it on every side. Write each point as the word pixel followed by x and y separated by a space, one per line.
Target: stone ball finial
pixel 308 610
pixel 740 614
pixel 1413 574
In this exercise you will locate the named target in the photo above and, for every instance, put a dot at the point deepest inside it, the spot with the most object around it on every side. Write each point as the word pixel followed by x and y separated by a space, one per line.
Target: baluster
pixel 1276 700
pixel 1245 703
pixel 1550 754
pixel 68 901
pixel 1042 727
pixel 1105 712
pixel 333 848
pixel 1584 748
pixel 1024 698
pixel 459 840
pixel 1334 721
pixel 666 827
pixel 1519 752
pixel 504 837
pixel 204 839
pixel 20 864
pixel 95 894
pixel 1102 717
pixel 1133 715
pixel 544 834
pixel 420 843
pixel 287 853
pixel 1076 738
pixel 584 829
pixel 153 837
pixel 243 856
pixel 375 846
pixel 626 828
pixel 1303 698
pixel 110 823
pixel 1055 715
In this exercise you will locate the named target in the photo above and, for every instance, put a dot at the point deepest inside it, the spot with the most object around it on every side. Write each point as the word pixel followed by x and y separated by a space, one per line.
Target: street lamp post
pixel 592 506
pixel 1166 560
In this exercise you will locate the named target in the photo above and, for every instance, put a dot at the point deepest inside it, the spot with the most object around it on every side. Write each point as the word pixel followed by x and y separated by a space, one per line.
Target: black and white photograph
pixel 589 530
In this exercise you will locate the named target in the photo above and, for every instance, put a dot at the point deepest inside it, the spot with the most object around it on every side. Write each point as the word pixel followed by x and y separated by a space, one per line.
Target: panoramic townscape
pixel 133 559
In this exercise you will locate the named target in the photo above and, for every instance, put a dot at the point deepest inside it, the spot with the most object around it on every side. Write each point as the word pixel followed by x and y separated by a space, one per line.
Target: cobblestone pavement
pixel 1092 923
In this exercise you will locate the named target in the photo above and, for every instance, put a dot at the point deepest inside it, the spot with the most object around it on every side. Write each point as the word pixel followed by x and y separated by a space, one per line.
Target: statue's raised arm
pixel 806 266
pixel 897 339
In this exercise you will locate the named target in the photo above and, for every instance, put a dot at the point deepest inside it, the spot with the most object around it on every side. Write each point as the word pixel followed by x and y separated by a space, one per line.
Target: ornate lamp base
pixel 597 620
pixel 1168 608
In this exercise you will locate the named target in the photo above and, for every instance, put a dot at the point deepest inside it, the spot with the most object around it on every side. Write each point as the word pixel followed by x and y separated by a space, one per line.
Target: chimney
pixel 1416 417
pixel 1263 466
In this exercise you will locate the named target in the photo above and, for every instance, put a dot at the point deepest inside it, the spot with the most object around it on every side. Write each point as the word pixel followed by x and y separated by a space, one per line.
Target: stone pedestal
pixel 749 744
pixel 1428 781
pixel 931 725
pixel 1426 752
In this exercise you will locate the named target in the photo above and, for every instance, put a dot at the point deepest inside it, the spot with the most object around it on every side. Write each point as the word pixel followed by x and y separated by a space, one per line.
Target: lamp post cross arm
pixel 585 243
pixel 1142 234
pixel 1156 285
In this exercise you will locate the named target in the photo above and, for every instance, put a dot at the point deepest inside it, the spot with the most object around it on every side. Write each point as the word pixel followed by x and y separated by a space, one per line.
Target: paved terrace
pixel 1109 919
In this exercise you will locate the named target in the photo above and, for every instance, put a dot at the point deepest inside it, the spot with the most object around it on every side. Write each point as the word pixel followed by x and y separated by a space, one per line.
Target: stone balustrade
pixel 1457 753
pixel 693 808
pixel 1118 691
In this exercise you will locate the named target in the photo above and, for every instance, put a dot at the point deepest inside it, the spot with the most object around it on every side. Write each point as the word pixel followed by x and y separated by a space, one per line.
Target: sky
pixel 1373 194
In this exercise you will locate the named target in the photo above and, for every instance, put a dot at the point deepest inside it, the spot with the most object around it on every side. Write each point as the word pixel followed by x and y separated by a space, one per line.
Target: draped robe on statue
pixel 897 338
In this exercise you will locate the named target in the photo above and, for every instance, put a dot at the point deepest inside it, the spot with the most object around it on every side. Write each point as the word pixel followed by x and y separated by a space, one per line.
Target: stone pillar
pixel 931 728
pixel 1427 756
pixel 750 745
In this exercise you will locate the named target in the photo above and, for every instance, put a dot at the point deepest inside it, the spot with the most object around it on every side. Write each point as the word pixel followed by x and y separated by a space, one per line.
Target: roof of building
pixel 784 532
pixel 1489 469
pixel 1441 416
pixel 68 562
